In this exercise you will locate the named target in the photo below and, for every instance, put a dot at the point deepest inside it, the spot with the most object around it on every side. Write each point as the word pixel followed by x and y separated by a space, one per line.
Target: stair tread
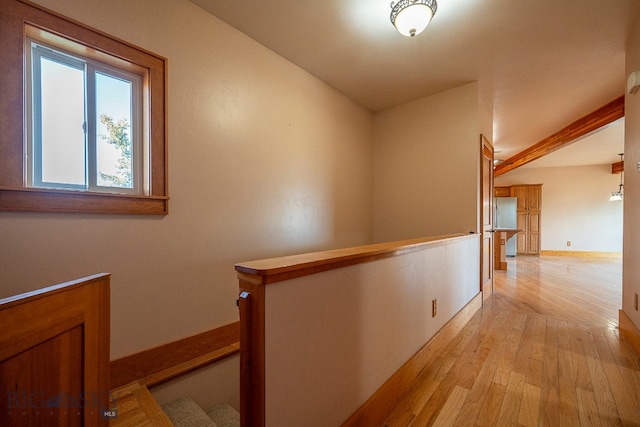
pixel 185 412
pixel 224 415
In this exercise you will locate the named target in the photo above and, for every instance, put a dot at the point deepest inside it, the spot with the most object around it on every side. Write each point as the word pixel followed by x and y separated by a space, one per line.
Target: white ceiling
pixel 602 146
pixel 545 63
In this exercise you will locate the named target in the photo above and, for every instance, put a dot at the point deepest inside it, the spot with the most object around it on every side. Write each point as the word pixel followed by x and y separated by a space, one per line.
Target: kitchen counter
pixel 499 244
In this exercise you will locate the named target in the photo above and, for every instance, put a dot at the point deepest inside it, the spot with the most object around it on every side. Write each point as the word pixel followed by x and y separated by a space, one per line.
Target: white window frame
pixel 89 67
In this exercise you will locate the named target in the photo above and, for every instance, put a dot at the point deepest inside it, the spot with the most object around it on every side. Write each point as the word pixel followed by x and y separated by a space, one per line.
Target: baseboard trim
pixel 159 364
pixel 380 405
pixel 583 254
pixel 629 331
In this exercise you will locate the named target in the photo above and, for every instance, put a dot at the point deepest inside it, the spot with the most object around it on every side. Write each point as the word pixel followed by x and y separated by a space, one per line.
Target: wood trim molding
pixel 275 270
pixel 583 254
pixel 378 407
pixel 617 167
pixel 604 115
pixel 160 364
pixel 251 305
pixel 629 331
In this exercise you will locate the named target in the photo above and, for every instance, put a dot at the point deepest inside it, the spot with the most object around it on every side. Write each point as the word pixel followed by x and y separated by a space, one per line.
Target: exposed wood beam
pixel 604 115
pixel 617 167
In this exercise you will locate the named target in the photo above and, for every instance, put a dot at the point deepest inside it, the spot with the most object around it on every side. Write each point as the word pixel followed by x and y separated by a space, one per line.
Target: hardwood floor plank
pixel 544 350
pixel 530 406
pixel 604 398
pixel 579 359
pixel 400 419
pixel 466 366
pixel 623 352
pixel 623 387
pixel 549 410
pixel 510 408
pixel 424 387
pixel 572 289
pixel 632 377
pixel 491 406
pixel 567 395
pixel 413 403
pixel 587 408
pixel 489 371
pixel 452 407
pixel 510 353
pixel 625 398
pixel 536 358
pixel 476 358
pixel 476 397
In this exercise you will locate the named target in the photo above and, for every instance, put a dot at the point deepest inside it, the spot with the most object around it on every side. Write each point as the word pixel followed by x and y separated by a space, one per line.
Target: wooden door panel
pixel 521 193
pixel 534 200
pixel 533 224
pixel 54 356
pixel 47 384
pixel 521 242
pixel 534 243
pixel 522 222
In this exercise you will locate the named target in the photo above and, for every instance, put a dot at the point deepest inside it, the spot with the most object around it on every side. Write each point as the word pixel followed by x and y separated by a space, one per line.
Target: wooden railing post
pixel 252 370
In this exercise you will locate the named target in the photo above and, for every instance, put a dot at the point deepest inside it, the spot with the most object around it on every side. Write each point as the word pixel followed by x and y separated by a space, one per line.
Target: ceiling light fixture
pixel 411 17
pixel 617 195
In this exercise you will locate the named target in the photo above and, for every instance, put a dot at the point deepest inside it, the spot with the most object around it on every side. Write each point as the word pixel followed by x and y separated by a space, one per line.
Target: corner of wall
pixel 631 267
pixel 418 146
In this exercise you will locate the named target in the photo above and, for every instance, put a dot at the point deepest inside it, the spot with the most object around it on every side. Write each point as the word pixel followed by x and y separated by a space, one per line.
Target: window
pixel 84 124
pixel 89 135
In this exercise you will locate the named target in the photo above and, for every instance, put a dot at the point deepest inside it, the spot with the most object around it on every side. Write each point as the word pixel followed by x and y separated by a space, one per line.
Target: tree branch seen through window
pixel 119 138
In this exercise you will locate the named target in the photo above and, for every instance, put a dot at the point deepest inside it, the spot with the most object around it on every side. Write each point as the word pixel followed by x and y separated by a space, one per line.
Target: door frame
pixel 486 218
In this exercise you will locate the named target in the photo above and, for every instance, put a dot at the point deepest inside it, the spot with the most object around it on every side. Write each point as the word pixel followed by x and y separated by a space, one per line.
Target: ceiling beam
pixel 617 167
pixel 604 115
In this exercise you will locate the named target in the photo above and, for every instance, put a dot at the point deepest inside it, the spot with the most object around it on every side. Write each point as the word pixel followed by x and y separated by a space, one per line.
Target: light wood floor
pixel 544 351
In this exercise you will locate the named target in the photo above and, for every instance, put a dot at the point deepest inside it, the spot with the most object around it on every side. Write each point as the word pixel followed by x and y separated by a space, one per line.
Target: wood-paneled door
pixel 486 219
pixel 529 217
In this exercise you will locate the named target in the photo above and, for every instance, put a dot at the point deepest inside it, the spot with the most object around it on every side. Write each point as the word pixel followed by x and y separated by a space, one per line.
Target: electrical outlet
pixel 434 308
pixel 635 302
pixel 568 242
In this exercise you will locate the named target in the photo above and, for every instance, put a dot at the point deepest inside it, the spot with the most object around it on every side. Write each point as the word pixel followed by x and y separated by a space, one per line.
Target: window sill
pixel 45 200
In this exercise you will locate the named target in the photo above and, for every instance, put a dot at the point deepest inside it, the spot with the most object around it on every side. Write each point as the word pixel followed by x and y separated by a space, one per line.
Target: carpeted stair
pixel 185 412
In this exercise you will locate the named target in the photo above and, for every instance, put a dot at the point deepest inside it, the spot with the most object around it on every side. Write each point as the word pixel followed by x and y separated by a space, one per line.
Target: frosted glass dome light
pixel 411 17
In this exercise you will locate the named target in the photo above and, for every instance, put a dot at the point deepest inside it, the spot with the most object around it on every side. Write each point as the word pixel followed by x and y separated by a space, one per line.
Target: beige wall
pixel 264 160
pixel 376 322
pixel 575 206
pixel 631 270
pixel 426 165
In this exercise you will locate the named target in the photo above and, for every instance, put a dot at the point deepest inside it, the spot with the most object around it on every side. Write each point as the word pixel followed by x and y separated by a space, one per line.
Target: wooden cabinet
pixel 502 191
pixel 529 217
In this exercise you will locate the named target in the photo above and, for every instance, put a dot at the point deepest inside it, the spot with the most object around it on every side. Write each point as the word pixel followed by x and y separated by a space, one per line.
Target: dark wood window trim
pixel 15 15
